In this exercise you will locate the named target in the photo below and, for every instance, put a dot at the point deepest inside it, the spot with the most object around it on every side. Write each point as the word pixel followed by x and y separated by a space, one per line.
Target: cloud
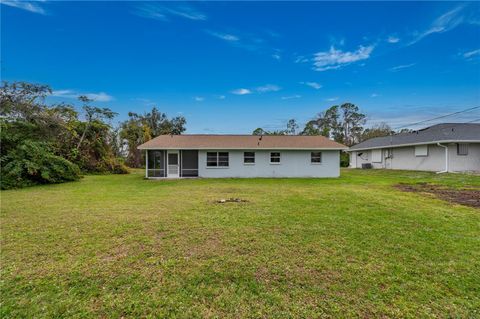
pixel 268 88
pixel 224 36
pixel 164 13
pixel 401 67
pixel 448 21
pixel 471 54
pixel 199 98
pixel 393 39
pixel 220 97
pixel 100 97
pixel 331 99
pixel 188 13
pixel 301 59
pixel 296 96
pixel 241 91
pixel 374 95
pixel 260 89
pixel 70 94
pixel 314 85
pixel 246 41
pixel 31 6
pixel 335 59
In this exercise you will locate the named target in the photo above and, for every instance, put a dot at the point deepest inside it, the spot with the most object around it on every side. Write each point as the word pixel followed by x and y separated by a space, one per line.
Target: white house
pixel 175 156
pixel 448 147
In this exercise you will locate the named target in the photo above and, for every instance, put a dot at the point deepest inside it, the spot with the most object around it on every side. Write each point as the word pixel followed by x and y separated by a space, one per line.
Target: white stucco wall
pixel 404 158
pixel 293 164
pixel 460 163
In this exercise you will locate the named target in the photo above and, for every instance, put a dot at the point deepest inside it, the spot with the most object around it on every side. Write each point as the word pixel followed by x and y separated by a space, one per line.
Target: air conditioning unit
pixel 367 165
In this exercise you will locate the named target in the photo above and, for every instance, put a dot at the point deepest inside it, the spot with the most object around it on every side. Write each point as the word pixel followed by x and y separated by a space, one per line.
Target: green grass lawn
pixel 121 246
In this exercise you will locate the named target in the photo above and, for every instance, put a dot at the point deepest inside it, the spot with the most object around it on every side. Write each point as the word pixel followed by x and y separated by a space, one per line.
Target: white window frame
pixel 217 160
pixel 377 156
pixel 465 145
pixel 311 158
pixel 244 157
pixel 279 158
pixel 421 151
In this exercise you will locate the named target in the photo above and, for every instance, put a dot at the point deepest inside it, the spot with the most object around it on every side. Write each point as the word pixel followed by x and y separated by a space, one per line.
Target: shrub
pixel 344 159
pixel 33 163
pixel 117 166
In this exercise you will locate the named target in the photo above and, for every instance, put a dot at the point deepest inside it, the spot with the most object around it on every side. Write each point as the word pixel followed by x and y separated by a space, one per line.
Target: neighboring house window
pixel 462 149
pixel 217 159
pixel 421 150
pixel 315 157
pixel 249 157
pixel 377 156
pixel 275 157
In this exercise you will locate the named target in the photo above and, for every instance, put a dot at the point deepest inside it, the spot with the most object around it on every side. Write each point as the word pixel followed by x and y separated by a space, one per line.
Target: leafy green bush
pixel 32 163
pixel 344 159
pixel 119 167
pixel 115 166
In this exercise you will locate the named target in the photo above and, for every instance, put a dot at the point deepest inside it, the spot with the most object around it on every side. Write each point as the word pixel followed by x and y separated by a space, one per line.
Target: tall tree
pixel 49 143
pixel 311 129
pixel 292 127
pixel 378 130
pixel 22 100
pixel 342 123
pixel 93 113
pixel 353 122
pixel 259 131
pixel 140 128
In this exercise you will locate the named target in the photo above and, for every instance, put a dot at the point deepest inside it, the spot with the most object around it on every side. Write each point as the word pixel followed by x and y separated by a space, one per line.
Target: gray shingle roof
pixel 446 132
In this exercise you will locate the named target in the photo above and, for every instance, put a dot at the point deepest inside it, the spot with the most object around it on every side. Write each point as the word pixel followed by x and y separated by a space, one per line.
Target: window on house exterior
pixel 249 157
pixel 377 156
pixel 315 157
pixel 223 159
pixel 275 157
pixel 421 150
pixel 462 149
pixel 217 159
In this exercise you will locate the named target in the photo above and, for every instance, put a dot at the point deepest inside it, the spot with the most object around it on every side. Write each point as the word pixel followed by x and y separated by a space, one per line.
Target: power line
pixel 473 121
pixel 439 117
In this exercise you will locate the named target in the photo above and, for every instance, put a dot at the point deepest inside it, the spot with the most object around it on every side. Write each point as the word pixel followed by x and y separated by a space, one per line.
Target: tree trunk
pixel 83 136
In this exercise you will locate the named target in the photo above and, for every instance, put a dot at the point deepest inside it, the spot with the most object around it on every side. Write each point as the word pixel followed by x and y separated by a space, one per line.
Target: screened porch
pixel 171 163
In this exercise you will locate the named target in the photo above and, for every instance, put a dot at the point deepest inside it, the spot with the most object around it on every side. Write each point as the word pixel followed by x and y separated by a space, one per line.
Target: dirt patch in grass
pixel 231 200
pixel 462 196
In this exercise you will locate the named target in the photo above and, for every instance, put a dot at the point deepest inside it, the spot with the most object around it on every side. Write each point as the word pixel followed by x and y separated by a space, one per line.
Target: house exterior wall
pixel 462 163
pixel 404 158
pixel 294 163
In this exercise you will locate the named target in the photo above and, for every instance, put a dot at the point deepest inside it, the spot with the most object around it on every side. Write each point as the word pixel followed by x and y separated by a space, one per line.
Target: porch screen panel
pixel 156 160
pixel 189 163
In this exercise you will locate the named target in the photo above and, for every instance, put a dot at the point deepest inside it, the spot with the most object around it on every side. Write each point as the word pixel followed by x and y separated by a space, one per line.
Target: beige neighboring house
pixel 200 155
pixel 447 147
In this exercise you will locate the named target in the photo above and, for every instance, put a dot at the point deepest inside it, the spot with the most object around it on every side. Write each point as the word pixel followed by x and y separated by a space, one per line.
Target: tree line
pixel 342 123
pixel 52 143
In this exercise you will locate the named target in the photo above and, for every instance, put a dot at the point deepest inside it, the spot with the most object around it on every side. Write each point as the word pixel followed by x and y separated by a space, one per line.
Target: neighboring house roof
pixel 204 141
pixel 440 133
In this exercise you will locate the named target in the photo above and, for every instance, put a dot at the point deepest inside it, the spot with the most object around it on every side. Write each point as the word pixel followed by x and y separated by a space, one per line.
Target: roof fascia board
pixel 245 148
